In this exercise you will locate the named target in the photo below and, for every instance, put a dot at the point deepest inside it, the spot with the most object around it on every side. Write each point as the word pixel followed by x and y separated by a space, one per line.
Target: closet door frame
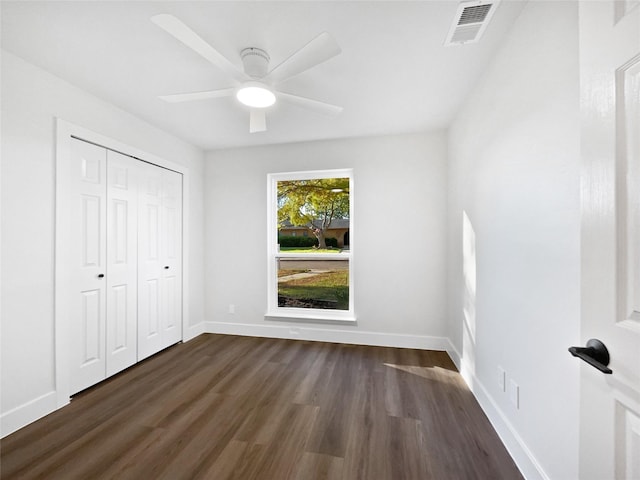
pixel 65 131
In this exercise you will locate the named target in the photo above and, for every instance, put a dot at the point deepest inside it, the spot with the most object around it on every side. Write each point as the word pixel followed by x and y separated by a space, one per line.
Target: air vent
pixel 470 22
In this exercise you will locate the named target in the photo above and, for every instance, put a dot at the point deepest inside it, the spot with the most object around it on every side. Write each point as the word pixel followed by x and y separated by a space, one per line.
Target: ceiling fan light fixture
pixel 255 95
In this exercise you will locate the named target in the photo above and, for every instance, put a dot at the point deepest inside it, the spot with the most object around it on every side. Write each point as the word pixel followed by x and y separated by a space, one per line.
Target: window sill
pixel 299 315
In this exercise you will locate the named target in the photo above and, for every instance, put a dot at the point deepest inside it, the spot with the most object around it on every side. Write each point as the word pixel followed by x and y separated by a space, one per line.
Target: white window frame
pixel 274 312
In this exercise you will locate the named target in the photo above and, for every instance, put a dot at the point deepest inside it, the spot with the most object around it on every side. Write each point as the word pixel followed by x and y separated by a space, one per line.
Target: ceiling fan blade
pixel 191 39
pixel 188 97
pixel 257 120
pixel 321 48
pixel 320 107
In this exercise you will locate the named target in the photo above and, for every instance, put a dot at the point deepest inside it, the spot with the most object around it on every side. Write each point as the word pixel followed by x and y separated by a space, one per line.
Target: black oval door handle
pixel 101 275
pixel 166 267
pixel 595 354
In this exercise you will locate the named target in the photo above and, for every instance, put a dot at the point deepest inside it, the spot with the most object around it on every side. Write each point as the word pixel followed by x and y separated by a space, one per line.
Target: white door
pixel 149 261
pixel 610 131
pixel 159 260
pixel 122 262
pixel 171 254
pixel 88 272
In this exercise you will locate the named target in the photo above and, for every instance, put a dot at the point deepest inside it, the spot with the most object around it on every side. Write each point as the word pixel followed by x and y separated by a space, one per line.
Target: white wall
pixel 400 222
pixel 514 172
pixel 31 99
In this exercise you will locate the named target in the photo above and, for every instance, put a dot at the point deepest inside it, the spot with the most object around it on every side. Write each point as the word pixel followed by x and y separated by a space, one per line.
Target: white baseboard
pixel 515 445
pixel 193 331
pixel 27 413
pixel 319 334
pixel 453 354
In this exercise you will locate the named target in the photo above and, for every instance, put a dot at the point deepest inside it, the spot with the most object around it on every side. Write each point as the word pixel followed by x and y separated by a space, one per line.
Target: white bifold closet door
pixel 88 246
pixel 111 227
pixel 122 258
pixel 159 260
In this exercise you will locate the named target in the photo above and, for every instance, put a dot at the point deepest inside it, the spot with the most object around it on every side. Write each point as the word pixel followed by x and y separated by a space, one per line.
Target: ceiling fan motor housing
pixel 255 62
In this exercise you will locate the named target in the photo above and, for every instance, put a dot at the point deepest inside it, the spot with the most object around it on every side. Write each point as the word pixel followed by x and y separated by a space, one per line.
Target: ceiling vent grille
pixel 470 22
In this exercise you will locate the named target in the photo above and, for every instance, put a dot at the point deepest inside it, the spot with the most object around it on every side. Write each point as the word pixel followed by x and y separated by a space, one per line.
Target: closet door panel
pixel 87 275
pixel 122 262
pixel 150 293
pixel 171 253
pixel 89 328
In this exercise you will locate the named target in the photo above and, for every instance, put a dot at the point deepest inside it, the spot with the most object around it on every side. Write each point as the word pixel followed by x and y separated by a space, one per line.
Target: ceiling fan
pixel 255 85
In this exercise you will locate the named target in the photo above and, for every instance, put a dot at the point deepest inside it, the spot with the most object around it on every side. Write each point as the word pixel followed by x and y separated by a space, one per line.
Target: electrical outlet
pixel 502 379
pixel 514 394
pixel 232 308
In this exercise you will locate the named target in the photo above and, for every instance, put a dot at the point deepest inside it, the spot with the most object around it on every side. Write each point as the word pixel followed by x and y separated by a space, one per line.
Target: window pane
pixel 313 214
pixel 321 284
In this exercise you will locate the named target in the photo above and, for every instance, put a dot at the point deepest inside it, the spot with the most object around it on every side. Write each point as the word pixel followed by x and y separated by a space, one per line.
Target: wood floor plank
pixel 330 433
pixel 281 455
pixel 228 408
pixel 229 463
pixel 314 466
pixel 238 461
pixel 406 437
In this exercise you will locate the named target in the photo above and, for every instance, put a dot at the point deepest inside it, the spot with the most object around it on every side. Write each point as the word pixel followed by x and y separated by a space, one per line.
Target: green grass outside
pixel 309 250
pixel 331 286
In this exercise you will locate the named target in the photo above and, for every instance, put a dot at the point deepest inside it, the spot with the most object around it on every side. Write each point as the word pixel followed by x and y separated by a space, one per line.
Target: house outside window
pixel 310 245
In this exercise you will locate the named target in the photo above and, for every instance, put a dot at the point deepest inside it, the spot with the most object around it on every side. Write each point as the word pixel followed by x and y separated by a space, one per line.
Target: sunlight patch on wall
pixel 469 294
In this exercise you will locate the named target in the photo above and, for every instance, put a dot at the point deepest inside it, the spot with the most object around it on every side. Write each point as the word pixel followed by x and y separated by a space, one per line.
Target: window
pixel 310 265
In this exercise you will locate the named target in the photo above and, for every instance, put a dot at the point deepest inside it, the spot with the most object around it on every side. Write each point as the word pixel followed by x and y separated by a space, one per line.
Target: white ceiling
pixel 393 76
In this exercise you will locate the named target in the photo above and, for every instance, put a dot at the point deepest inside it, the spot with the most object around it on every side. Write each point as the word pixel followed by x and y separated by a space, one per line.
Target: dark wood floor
pixel 222 407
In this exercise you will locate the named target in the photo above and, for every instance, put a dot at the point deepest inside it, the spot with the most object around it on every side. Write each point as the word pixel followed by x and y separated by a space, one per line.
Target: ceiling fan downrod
pixel 255 62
